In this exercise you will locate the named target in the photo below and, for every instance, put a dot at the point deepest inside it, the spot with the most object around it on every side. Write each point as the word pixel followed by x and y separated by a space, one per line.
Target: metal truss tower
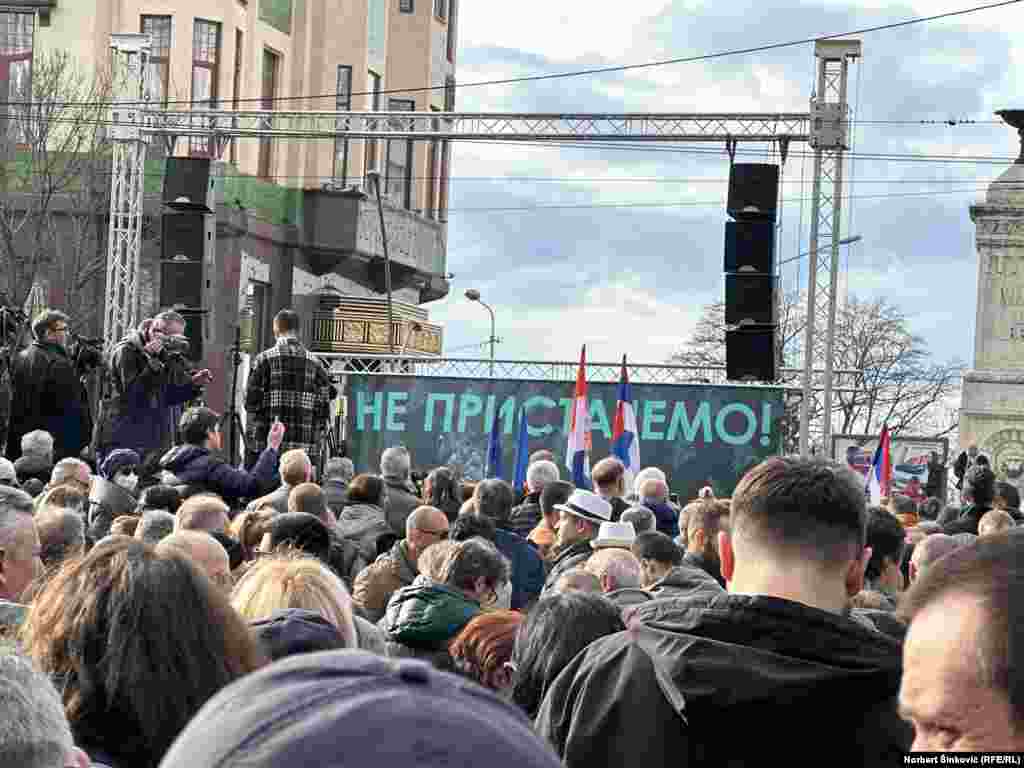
pixel 824 128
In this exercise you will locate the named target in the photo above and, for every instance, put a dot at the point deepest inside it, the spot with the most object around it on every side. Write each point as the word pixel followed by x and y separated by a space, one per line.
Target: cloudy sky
pixel 634 278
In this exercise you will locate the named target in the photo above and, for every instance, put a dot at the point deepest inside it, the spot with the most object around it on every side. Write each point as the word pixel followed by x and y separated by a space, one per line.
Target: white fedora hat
pixel 621 535
pixel 587 506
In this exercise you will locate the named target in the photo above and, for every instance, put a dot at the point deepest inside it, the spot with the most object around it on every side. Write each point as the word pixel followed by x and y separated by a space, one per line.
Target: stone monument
pixel 992 406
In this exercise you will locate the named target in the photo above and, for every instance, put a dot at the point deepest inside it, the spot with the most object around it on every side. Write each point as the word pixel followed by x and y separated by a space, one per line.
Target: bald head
pixel 927 551
pixel 995 521
pixel 205 552
pixel 615 568
pixel 654 488
pixel 425 526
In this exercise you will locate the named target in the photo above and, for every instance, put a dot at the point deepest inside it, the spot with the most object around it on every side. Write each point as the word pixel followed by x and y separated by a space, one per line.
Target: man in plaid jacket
pixel 288 383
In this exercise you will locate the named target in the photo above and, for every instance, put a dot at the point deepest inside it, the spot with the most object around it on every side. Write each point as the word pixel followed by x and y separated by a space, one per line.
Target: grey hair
pixel 646 474
pixel 14 504
pixel 396 462
pixel 38 442
pixel 642 518
pixel 169 317
pixel 339 469
pixel 61 532
pixel 540 473
pixel 36 733
pixel 155 525
pixel 68 469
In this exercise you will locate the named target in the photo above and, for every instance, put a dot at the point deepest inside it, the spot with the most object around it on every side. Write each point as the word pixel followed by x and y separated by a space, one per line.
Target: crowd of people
pixel 234 616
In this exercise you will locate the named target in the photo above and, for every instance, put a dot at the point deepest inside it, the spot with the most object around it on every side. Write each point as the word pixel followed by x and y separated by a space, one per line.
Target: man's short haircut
pixel 339 469
pixel 308 497
pixel 540 473
pixel 577 579
pixel 61 533
pixel 466 527
pixel 991 571
pixel 196 424
pixel 45 321
pixel 287 321
pixel 902 505
pixel 38 442
pixel 995 521
pixel 808 508
pixel 294 466
pixel 474 559
pixel 654 488
pixel 202 512
pixel 656 546
pixel 642 518
pixel 980 482
pixel 494 499
pixel 395 462
pixel 170 317
pixel 707 515
pixel 1008 493
pixel 885 536
pixel 620 566
pixel 419 519
pixel 557 492
pixel 607 472
pixel 156 524
pixel 69 469
pixel 542 455
pixel 36 733
pixel 160 497
pixel 366 489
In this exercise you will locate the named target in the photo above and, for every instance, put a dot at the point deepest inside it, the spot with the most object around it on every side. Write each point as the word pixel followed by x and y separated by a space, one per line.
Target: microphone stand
pixel 231 419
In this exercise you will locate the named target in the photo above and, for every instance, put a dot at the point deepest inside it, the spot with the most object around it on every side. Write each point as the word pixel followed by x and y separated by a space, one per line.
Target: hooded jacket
pixel 721 682
pixel 426 615
pixel 373 588
pixel 195 465
pixel 364 525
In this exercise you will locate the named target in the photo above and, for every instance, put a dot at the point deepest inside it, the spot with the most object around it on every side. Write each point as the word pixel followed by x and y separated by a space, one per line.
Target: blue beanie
pixel 117 460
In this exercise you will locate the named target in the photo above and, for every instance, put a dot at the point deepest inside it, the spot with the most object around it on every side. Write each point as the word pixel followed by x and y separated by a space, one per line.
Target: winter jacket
pixel 628 597
pixel 427 614
pixel 685 581
pixel 386 575
pixel 711 567
pixel 678 687
pixel 336 493
pixel 148 391
pixel 526 516
pixel 619 506
pixel 665 515
pixel 527 567
pixel 345 558
pixel 400 503
pixel 29 466
pixel 967 522
pixel 364 525
pixel 277 498
pixel 194 465
pixel 574 556
pixel 47 394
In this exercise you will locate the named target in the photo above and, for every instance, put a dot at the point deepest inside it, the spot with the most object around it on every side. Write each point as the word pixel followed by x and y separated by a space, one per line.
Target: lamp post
pixel 474 295
pixel 812 289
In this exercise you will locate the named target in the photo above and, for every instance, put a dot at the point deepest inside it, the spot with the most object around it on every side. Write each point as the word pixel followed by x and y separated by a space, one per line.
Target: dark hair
pixel 607 472
pixel 992 570
pixel 949 514
pixel 544 647
pixel 45 321
pixel 980 482
pixel 929 508
pixel 885 536
pixel 1008 493
pixel 982 460
pixel 444 491
pixel 465 527
pixel 494 499
pixel 287 320
pixel 196 424
pixel 365 489
pixel 301 531
pixel 483 646
pixel 139 642
pixel 655 545
pixel 473 559
pixel 557 492
pixel 160 497
pixel 808 507
pixel 902 505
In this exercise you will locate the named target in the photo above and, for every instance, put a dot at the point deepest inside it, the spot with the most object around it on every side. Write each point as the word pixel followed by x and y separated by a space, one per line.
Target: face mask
pixel 128 482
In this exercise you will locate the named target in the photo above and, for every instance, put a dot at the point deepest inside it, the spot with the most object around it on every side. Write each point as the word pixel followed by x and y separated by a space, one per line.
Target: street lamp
pixel 474 295
pixel 809 330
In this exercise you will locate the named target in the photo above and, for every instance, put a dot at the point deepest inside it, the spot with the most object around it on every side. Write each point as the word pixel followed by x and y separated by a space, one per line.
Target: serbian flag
pixel 625 437
pixel 880 474
pixel 577 455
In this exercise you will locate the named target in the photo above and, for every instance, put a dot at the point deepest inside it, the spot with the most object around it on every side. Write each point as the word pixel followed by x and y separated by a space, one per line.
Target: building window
pixel 406 6
pixel 236 87
pixel 343 103
pixel 451 30
pixel 398 181
pixel 372 145
pixel 16 43
pixel 441 9
pixel 268 92
pixel 159 30
pixel 205 71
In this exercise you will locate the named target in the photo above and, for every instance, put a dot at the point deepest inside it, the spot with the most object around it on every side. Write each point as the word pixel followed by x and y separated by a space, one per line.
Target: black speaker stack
pixel 183 245
pixel 751 348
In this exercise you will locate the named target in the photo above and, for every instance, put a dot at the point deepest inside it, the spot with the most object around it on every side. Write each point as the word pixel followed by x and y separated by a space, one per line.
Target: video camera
pixel 86 352
pixel 178 344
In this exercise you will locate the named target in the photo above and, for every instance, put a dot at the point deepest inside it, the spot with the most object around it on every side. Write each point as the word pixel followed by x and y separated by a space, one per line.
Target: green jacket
pixel 426 615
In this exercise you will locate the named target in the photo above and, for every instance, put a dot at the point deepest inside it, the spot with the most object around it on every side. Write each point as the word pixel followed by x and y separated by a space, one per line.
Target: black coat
pixel 722 682
pixel 47 394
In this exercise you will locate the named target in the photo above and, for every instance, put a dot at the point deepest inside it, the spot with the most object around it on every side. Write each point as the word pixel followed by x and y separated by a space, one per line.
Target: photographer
pixel 149 379
pixel 47 393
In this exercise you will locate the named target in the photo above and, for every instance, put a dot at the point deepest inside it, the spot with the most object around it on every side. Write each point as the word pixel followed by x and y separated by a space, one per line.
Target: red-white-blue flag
pixel 577 455
pixel 625 436
pixel 880 474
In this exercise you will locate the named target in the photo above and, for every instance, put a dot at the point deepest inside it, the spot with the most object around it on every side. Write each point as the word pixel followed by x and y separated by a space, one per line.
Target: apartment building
pixel 290 230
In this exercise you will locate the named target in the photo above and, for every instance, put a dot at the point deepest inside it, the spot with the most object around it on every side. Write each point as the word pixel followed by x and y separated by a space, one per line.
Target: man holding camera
pixel 47 393
pixel 149 379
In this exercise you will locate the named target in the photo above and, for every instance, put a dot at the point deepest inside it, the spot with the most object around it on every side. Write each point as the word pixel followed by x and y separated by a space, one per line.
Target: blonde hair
pixel 292 580
pixel 433 562
pixel 294 466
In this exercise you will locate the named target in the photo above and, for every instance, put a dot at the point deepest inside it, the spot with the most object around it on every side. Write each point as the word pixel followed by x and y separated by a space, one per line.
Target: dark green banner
pixel 698 434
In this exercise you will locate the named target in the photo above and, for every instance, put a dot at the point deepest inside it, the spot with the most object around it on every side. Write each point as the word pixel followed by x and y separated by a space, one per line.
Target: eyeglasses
pixel 440 534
